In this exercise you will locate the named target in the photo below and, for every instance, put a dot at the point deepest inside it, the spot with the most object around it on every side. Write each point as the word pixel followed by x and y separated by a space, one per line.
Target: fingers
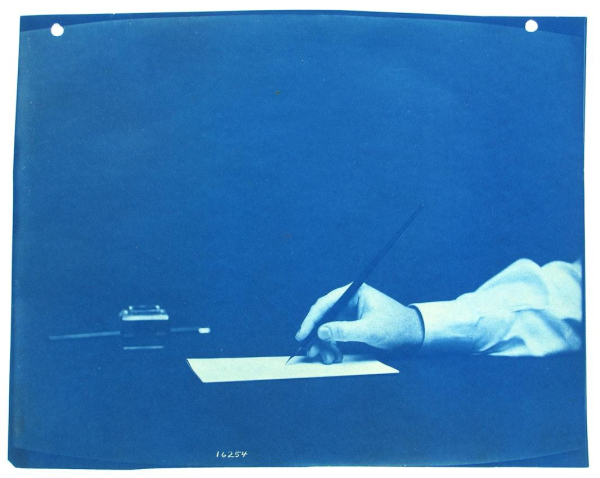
pixel 329 351
pixel 316 312
pixel 353 331
pixel 327 355
pixel 314 315
pixel 313 351
pixel 338 356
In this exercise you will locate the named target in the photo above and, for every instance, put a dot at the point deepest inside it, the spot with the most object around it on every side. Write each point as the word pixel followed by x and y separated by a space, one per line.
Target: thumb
pixel 353 331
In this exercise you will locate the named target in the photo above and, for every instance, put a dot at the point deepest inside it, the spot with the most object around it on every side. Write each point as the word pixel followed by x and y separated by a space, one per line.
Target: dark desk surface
pixel 97 406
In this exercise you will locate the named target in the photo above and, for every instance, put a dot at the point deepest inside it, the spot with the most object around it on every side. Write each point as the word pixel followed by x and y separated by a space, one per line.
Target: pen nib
pixel 299 351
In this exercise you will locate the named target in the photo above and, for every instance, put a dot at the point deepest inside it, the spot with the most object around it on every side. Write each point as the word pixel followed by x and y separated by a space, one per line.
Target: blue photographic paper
pixel 188 185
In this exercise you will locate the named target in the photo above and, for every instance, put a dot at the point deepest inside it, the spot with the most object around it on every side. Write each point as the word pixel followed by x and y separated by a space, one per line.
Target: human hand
pixel 371 317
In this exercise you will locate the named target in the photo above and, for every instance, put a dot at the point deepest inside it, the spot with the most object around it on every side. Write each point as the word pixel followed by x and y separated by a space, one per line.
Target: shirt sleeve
pixel 525 310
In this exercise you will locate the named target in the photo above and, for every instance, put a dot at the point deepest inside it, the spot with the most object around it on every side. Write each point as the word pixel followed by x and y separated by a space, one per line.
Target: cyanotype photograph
pixel 298 238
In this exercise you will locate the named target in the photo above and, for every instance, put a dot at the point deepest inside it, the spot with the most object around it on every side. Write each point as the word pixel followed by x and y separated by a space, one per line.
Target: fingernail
pixel 325 333
pixel 297 335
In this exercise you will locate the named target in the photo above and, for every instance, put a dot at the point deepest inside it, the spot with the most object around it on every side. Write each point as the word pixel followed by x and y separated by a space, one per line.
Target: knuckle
pixel 366 290
pixel 371 337
pixel 338 332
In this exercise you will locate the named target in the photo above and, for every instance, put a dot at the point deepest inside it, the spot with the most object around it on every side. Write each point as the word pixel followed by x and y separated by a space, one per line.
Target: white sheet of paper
pixel 274 368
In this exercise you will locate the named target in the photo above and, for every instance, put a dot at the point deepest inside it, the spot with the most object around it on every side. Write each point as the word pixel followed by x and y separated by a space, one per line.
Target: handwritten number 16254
pixel 231 454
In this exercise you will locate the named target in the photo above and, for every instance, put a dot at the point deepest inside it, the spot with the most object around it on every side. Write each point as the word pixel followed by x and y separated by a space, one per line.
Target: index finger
pixel 316 312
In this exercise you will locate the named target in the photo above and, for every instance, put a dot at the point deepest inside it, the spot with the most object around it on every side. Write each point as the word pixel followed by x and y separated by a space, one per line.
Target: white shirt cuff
pixel 449 326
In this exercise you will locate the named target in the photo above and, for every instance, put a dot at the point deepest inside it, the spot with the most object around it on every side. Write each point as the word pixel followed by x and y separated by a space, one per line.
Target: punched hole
pixel 57 30
pixel 531 26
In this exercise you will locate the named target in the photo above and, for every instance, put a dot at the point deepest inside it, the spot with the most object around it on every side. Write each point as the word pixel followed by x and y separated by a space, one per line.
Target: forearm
pixel 526 310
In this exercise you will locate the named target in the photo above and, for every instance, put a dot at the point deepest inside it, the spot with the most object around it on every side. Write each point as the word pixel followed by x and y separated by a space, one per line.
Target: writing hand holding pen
pixel 370 317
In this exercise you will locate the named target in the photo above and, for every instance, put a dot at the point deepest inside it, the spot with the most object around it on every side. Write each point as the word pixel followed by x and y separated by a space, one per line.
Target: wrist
pixel 419 326
pixel 409 332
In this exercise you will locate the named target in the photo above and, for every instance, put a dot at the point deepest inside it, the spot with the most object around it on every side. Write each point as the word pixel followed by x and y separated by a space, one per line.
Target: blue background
pixel 235 167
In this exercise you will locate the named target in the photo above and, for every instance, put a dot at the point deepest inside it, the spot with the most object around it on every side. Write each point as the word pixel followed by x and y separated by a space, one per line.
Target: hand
pixel 371 317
